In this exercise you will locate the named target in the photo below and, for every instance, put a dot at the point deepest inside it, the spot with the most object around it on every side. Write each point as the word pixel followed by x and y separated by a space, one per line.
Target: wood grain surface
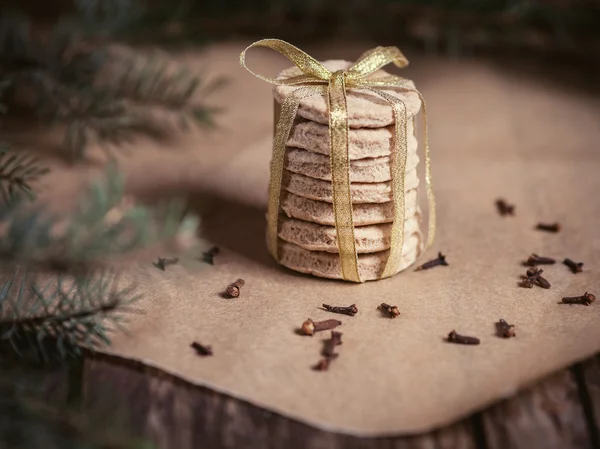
pixel 561 411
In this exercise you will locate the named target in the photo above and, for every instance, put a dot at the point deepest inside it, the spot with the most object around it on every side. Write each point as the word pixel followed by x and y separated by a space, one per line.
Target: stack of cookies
pixel 307 234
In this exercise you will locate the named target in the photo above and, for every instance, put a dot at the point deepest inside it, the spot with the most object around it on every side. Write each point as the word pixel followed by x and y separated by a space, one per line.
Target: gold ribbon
pixel 318 80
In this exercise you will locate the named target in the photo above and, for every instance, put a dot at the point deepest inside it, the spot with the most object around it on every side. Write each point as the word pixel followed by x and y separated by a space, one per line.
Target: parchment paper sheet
pixel 493 134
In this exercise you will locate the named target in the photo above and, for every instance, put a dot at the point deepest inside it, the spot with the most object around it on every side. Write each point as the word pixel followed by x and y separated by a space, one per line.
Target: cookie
pixel 365 108
pixel 360 193
pixel 317 166
pixel 362 143
pixel 321 212
pixel 327 265
pixel 368 239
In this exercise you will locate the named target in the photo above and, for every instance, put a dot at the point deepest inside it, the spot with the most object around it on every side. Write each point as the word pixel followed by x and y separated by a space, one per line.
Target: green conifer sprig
pixel 17 172
pixel 103 95
pixel 49 320
pixel 103 228
pixel 60 293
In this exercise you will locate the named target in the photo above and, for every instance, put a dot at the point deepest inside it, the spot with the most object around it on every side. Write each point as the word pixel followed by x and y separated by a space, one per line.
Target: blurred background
pixel 528 28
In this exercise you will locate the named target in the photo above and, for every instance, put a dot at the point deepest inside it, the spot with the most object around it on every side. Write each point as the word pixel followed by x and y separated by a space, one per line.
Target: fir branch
pixel 17 172
pixel 102 95
pixel 106 227
pixel 51 319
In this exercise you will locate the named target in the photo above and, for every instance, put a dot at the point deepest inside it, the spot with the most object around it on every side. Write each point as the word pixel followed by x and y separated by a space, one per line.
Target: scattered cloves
pixel 163 262
pixel 202 350
pixel 309 327
pixel 576 267
pixel 586 299
pixel 504 208
pixel 440 260
pixel 208 256
pixel 233 290
pixel 534 259
pixel 554 227
pixel 504 329
pixel 392 311
pixel 453 337
pixel 534 276
pixel 350 310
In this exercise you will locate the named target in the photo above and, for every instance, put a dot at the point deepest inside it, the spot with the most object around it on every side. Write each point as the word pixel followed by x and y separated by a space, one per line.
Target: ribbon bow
pixel 318 80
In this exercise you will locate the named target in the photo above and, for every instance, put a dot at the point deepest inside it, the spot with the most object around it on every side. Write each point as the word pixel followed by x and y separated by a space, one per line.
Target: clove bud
pixel 534 276
pixel 309 327
pixel 504 208
pixel 504 329
pixel 233 290
pixel 534 259
pixel 392 311
pixel 202 350
pixel 453 337
pixel 329 353
pixel 331 343
pixel 163 262
pixel 440 260
pixel 554 227
pixel 350 310
pixel 576 267
pixel 586 299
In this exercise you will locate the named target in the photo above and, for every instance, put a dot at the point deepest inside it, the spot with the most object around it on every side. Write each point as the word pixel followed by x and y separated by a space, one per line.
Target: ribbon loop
pixel 307 64
pixel 374 59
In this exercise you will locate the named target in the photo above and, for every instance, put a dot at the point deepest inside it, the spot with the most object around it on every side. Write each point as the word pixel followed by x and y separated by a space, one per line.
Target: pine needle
pixel 17 172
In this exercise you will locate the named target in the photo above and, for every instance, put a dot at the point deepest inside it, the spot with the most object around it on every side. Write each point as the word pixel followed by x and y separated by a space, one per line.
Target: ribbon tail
pixel 340 177
pixel 428 180
pixel 398 170
pixel 287 115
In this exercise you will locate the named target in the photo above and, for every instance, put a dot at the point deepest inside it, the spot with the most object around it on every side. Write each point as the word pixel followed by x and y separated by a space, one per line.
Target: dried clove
pixel 350 310
pixel 309 327
pixel 328 352
pixel 164 262
pixel 534 276
pixel 233 290
pixel 504 208
pixel 534 260
pixel 453 337
pixel 323 364
pixel 208 256
pixel 576 267
pixel 554 227
pixel 331 343
pixel 504 329
pixel 392 311
pixel 202 350
pixel 440 260
pixel 586 299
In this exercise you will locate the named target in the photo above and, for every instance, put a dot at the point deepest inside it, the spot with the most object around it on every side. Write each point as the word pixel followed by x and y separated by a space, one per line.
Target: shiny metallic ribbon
pixel 318 80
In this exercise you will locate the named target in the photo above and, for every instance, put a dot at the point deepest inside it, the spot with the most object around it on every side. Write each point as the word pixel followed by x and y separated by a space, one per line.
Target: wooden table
pixel 561 411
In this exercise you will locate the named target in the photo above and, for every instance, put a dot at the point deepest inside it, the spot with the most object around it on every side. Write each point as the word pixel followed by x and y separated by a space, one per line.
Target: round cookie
pixel 327 265
pixel 360 193
pixel 362 143
pixel 317 166
pixel 365 108
pixel 321 212
pixel 368 239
